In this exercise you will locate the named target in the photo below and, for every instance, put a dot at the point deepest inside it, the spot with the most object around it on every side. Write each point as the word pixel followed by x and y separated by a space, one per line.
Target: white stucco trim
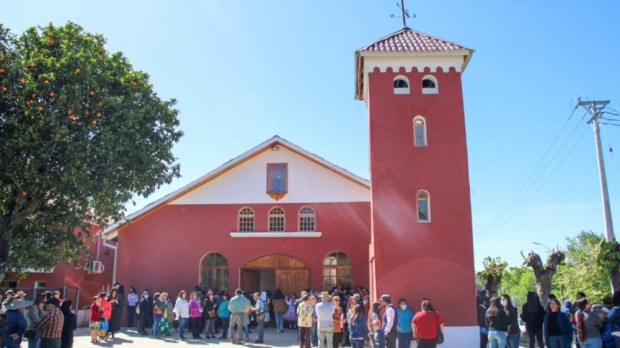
pixel 275 234
pixel 459 337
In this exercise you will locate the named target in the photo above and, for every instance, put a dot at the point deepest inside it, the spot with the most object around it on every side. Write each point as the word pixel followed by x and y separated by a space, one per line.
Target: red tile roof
pixel 409 40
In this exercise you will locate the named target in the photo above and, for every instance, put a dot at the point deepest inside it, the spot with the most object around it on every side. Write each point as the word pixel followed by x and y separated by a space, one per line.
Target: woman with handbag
pixel 158 312
pixel 210 308
pixel 427 326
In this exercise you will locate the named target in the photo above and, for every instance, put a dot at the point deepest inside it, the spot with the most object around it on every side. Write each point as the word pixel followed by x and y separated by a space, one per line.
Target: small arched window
pixel 246 220
pixel 307 219
pixel 276 219
pixel 337 271
pixel 423 206
pixel 401 85
pixel 419 131
pixel 430 85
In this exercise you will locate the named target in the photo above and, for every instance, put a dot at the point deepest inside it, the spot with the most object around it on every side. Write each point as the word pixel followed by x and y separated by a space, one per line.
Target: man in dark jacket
pixel 145 307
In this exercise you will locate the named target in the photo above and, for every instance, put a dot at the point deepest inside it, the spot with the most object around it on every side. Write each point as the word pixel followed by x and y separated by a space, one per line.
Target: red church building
pixel 281 217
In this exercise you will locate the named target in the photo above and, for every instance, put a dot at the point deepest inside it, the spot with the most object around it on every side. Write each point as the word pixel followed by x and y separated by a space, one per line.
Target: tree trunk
pixel 491 285
pixel 4 247
pixel 615 280
pixel 544 273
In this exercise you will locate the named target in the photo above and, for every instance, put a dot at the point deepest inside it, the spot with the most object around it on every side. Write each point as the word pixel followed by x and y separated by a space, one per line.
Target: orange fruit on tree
pixel 1 70
pixel 94 121
pixel 3 88
pixel 32 65
pixel 92 93
pixel 52 94
pixel 22 80
pixel 46 81
pixel 40 108
pixel 77 70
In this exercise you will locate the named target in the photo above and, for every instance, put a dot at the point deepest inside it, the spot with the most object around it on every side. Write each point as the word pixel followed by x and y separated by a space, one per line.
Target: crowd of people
pixel 340 317
pixel 556 325
pixel 48 322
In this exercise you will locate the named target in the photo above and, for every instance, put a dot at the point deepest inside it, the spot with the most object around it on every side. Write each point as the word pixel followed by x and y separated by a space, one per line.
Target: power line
pixel 507 207
pixel 528 185
pixel 544 182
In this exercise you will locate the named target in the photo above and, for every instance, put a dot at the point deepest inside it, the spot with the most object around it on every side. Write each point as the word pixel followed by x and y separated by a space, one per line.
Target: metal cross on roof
pixel 405 13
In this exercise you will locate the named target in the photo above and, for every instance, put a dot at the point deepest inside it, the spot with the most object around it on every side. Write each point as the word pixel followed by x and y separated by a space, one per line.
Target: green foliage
pixel 609 256
pixel 516 282
pixel 581 270
pixel 81 133
pixel 492 272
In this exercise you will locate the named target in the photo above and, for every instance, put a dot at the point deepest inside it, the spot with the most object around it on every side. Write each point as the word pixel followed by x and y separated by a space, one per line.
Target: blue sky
pixel 243 71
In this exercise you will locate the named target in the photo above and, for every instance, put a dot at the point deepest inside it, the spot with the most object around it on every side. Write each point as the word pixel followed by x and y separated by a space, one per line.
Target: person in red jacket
pixel 96 313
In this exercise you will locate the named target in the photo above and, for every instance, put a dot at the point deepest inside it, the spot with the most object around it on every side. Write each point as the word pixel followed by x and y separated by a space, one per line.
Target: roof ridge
pixel 411 40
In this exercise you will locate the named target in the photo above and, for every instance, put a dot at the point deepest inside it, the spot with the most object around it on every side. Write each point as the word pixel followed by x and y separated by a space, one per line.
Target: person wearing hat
pixel 50 327
pixel 390 319
pixel 325 320
pixel 15 325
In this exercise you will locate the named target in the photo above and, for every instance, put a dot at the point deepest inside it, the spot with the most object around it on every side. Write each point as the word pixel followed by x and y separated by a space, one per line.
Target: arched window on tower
pixel 419 131
pixel 214 272
pixel 246 220
pixel 430 85
pixel 276 219
pixel 307 219
pixel 423 206
pixel 337 271
pixel 401 85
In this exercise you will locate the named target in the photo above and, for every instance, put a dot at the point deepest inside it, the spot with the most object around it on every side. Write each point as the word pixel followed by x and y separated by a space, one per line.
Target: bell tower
pixel 421 234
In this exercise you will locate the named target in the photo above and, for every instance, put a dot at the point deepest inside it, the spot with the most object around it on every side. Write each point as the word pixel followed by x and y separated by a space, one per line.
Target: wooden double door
pixel 271 272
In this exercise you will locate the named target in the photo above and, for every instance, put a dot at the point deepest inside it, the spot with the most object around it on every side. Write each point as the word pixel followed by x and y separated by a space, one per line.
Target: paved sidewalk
pixel 131 338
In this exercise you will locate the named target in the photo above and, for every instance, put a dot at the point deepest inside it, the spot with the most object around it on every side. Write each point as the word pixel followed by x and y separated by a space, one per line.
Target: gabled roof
pixel 276 140
pixel 406 42
pixel 409 40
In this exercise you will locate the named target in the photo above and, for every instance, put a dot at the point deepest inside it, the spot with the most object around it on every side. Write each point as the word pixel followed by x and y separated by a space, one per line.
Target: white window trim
pixel 428 207
pixel 420 117
pixel 430 90
pixel 298 234
pixel 402 90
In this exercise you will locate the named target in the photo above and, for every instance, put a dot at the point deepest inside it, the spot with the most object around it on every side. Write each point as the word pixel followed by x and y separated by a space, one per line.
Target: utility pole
pixel 596 106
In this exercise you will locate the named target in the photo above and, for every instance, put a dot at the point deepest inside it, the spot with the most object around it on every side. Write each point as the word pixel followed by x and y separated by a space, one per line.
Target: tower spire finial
pixel 402 8
pixel 404 13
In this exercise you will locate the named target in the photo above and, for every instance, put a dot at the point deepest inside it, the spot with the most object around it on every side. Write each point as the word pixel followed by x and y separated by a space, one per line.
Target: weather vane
pixel 405 13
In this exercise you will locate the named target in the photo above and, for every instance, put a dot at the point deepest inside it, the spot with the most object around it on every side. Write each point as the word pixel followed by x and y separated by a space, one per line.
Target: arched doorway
pixel 275 271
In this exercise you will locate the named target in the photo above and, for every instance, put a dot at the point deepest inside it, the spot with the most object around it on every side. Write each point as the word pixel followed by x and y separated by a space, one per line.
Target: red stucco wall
pixel 163 250
pixel 65 274
pixel 416 260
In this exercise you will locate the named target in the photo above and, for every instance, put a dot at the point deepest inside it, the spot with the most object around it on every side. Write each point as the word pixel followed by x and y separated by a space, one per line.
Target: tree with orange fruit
pixel 81 133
